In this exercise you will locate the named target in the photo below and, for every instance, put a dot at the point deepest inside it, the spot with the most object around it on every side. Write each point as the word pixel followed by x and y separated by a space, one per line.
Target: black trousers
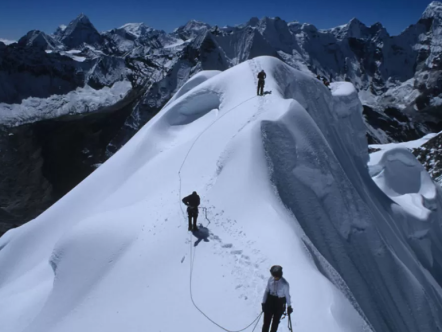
pixel 193 215
pixel 274 309
pixel 260 87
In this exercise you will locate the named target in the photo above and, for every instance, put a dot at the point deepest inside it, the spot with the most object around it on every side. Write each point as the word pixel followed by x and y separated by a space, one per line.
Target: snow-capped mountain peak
pixel 355 22
pixel 277 33
pixel 353 29
pixel 38 39
pixel 7 41
pixel 434 10
pixel 81 21
pixel 253 22
pixel 377 26
pixel 196 25
pixel 59 31
pixel 191 29
pixel 80 31
pixel 192 26
pixel 136 29
pixel 273 23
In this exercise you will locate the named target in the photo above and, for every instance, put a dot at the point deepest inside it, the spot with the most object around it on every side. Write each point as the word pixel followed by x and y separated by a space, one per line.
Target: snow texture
pixel 284 179
pixel 81 100
pixel 376 156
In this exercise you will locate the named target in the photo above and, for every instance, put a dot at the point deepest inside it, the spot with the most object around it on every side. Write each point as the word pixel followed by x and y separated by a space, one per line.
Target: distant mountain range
pixel 71 99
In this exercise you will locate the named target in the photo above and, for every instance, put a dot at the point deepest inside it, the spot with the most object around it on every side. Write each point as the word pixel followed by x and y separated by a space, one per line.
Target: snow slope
pixel 284 181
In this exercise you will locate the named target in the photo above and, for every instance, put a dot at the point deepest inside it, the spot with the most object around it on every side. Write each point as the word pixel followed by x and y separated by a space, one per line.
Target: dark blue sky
pixel 19 16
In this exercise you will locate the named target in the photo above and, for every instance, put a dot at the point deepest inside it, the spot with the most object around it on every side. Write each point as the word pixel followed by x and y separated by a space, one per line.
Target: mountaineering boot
pixel 195 228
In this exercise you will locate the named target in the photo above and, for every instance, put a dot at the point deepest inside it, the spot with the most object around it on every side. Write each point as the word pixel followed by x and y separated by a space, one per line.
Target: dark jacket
pixel 262 75
pixel 192 200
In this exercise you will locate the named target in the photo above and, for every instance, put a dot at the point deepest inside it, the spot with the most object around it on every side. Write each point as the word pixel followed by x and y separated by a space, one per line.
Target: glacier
pixel 80 101
pixel 284 179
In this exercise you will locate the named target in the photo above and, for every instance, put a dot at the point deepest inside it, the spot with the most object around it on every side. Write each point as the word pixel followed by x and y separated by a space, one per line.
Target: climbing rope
pixel 193 144
pixel 192 252
pixel 205 214
pixel 192 260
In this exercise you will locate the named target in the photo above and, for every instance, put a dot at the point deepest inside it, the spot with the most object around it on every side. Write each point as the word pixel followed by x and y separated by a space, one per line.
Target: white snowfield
pixel 7 41
pixel 196 80
pixel 81 100
pixel 284 179
pixel 376 156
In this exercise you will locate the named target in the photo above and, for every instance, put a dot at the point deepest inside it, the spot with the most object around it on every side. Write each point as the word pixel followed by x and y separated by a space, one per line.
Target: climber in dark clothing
pixel 261 81
pixel 276 296
pixel 192 202
pixel 326 83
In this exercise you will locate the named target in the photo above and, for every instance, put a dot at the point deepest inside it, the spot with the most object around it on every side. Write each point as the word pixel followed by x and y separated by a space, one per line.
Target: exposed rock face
pixel 191 30
pixel 394 125
pixel 24 191
pixel 44 160
pixel 430 155
pixel 79 32
pixel 40 40
pixel 27 71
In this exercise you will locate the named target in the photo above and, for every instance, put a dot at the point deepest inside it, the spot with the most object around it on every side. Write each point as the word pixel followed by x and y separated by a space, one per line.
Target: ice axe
pixel 286 314
pixel 290 323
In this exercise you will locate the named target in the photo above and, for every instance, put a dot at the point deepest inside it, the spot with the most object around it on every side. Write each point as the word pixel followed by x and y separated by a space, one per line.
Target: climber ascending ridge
pixel 192 201
pixel 276 296
pixel 261 81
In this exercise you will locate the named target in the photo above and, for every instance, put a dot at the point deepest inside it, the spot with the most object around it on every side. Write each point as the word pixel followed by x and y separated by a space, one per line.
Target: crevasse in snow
pixel 284 179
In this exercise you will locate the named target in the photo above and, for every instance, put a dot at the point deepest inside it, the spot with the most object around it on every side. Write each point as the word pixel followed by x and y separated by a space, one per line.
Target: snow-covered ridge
pixel 7 41
pixel 296 158
pixel 396 77
pixel 434 9
pixel 38 39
